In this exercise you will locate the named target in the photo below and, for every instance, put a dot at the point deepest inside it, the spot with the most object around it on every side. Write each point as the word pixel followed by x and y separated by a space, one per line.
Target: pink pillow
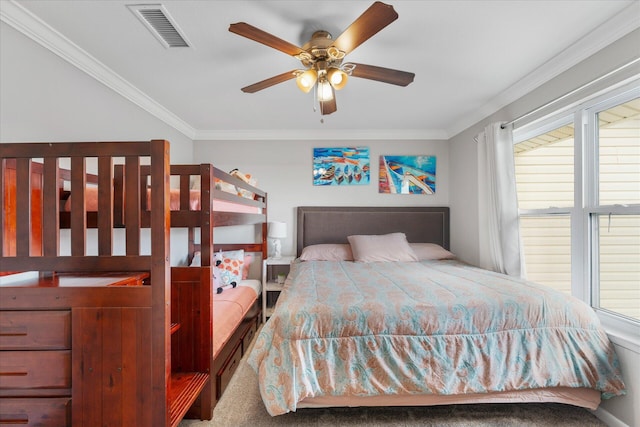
pixel 248 259
pixel 327 252
pixel 387 247
pixel 427 251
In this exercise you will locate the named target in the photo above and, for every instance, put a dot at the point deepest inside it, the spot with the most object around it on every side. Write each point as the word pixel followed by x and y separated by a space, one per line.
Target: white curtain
pixel 498 204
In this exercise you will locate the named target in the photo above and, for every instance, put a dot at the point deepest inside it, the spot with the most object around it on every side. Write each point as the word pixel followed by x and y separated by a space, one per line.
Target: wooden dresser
pixel 64 335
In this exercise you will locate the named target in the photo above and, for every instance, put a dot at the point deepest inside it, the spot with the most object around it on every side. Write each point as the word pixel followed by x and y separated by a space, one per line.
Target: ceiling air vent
pixel 156 18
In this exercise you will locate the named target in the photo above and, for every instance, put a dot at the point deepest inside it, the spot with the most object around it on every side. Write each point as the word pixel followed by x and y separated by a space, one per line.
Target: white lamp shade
pixel 277 230
pixel 325 91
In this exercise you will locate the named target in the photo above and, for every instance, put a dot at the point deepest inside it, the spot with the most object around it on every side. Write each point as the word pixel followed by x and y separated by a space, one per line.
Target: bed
pixel 425 330
pixel 147 325
pixel 235 311
pixel 234 202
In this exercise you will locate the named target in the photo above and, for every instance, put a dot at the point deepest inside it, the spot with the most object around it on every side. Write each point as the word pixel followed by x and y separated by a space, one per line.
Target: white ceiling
pixel 470 58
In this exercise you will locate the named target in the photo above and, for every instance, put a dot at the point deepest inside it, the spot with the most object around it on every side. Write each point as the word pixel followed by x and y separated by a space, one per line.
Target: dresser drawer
pixel 248 337
pixel 35 330
pixel 35 369
pixel 45 412
pixel 224 375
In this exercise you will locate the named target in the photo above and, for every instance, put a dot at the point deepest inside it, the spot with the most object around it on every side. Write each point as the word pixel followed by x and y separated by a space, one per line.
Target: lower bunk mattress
pixel 229 308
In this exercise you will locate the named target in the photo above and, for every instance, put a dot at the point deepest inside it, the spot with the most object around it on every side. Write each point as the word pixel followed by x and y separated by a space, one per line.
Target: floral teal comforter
pixel 442 327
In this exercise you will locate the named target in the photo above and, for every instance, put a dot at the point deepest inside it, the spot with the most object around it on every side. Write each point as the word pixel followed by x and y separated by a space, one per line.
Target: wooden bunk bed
pixel 132 347
pixel 230 339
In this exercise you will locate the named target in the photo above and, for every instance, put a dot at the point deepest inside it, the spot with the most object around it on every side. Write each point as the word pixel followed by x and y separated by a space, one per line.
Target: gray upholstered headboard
pixel 329 224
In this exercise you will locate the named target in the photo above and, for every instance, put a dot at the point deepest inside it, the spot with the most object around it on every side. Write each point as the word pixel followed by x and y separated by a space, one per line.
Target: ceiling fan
pixel 322 57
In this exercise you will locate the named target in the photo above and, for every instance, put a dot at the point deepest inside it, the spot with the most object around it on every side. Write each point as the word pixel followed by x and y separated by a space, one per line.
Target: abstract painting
pixel 341 166
pixel 407 175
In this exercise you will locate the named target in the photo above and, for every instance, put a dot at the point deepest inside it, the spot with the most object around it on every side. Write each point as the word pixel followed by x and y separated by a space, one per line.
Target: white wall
pixel 284 170
pixel 44 98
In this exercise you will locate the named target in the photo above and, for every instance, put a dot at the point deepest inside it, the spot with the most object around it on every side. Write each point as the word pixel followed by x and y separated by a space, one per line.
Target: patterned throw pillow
pixel 231 257
pixel 228 267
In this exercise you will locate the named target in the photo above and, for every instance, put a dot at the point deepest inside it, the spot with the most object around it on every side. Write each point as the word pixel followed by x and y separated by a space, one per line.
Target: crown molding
pixel 320 134
pixel 615 28
pixel 39 31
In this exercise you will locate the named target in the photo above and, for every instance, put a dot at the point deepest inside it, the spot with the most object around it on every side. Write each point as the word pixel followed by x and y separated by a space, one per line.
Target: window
pixel 578 184
pixel 613 203
pixel 545 185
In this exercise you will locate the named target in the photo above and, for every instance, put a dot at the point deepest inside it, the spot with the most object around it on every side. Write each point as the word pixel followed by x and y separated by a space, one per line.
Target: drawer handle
pixel 14 372
pixel 14 419
pixel 13 331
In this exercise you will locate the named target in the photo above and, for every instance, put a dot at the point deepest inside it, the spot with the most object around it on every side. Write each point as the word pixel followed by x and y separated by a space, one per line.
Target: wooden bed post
pixel 160 284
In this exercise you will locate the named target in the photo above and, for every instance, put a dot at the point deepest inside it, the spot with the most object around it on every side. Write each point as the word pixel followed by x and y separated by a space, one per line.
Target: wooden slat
pixel 105 206
pixel 78 207
pixel 247 247
pixel 51 207
pixel 23 207
pixel 118 195
pixel 132 204
pixel 206 214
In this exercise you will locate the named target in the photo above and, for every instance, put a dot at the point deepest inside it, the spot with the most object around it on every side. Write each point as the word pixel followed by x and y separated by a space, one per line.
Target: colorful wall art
pixel 407 175
pixel 341 166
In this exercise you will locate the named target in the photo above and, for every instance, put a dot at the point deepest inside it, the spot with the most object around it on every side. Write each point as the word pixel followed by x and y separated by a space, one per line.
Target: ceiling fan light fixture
pixel 337 78
pixel 325 92
pixel 307 80
pixel 323 69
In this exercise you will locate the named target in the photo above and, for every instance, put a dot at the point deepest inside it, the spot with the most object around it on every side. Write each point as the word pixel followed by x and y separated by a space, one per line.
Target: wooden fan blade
pixel 270 82
pixel 260 36
pixel 385 75
pixel 374 19
pixel 329 106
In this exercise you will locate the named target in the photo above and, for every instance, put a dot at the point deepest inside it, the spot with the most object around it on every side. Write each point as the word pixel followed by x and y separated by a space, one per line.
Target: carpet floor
pixel 241 406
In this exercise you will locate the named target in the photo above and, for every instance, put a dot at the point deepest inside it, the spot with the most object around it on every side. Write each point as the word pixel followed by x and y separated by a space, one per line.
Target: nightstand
pixel 271 267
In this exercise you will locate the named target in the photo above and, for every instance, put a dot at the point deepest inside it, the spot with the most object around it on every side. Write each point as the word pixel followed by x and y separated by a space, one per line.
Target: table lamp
pixel 277 231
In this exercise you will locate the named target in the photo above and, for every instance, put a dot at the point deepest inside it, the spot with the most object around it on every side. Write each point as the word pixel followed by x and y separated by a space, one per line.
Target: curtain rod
pixel 584 86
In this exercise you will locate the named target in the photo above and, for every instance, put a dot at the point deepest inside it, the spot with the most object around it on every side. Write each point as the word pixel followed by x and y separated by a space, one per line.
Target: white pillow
pixel 387 247
pixel 427 251
pixel 327 252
